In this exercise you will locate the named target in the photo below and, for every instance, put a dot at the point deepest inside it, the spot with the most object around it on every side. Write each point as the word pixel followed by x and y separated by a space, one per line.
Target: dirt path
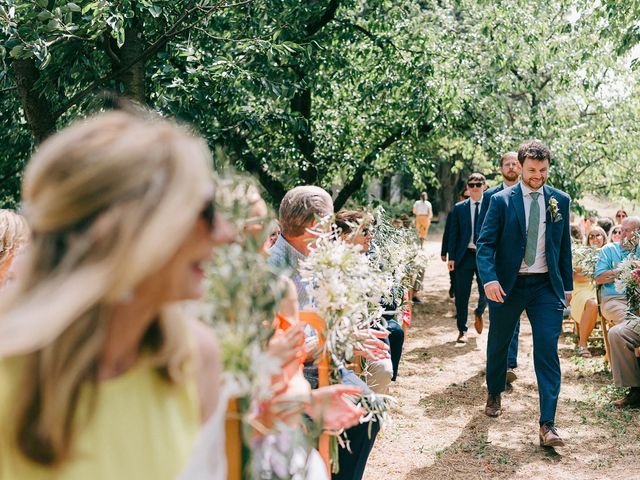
pixel 441 432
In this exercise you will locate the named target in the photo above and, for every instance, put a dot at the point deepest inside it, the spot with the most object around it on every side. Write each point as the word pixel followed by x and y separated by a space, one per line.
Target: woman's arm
pixel 208 367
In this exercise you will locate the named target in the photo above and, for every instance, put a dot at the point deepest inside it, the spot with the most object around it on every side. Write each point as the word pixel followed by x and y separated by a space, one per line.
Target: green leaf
pixel 16 51
pixel 73 7
pixel 45 15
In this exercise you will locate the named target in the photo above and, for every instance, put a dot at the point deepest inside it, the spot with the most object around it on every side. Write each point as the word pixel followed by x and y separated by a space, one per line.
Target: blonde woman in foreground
pixel 101 376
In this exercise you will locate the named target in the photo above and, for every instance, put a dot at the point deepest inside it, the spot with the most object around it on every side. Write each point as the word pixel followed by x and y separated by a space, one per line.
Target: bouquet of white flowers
pixel 243 293
pixel 345 288
pixel 585 259
pixel 628 281
pixel 398 252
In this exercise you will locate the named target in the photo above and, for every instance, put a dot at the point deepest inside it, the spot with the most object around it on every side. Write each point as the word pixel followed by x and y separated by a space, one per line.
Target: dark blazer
pixel 503 239
pixel 486 198
pixel 445 236
pixel 460 230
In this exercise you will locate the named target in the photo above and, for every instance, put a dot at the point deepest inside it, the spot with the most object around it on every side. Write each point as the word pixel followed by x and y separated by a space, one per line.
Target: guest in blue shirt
pixel 614 302
pixel 624 336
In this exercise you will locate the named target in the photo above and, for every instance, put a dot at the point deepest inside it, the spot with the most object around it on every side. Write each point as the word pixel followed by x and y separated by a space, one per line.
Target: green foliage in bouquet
pixel 397 251
pixel 585 259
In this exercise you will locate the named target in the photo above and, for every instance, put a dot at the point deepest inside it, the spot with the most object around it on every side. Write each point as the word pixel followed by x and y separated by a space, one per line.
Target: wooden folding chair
pixel 233 441
pixel 408 310
pixel 312 319
pixel 604 324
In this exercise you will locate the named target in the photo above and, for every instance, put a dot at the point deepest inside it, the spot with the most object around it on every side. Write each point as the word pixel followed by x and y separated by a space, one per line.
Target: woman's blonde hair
pixel 109 201
pixel 14 233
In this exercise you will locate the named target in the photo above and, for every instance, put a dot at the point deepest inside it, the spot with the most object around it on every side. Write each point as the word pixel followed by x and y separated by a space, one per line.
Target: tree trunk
pixel 301 103
pixel 449 182
pixel 131 53
pixel 37 109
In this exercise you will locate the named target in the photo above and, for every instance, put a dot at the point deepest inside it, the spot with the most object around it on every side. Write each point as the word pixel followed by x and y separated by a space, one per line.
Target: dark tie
pixel 476 224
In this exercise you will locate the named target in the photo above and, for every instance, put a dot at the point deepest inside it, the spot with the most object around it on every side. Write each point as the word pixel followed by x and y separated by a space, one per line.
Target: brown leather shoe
pixel 493 407
pixel 631 399
pixel 478 324
pixel 511 376
pixel 549 437
pixel 461 338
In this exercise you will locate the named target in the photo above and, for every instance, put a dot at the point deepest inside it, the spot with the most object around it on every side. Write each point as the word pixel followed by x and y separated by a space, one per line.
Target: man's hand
pixel 374 349
pixel 568 296
pixel 286 345
pixel 494 292
pixel 451 265
pixel 443 258
pixel 333 406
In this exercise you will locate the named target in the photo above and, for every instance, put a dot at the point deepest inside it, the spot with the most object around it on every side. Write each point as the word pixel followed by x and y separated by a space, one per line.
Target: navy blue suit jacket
pixel 486 198
pixel 503 238
pixel 460 230
pixel 445 236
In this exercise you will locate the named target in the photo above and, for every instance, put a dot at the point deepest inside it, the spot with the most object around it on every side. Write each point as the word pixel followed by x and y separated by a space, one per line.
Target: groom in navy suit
pixel 524 260
pixel 510 170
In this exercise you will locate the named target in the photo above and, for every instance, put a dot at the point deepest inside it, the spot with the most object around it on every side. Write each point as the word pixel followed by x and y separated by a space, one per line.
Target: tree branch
pixel 357 180
pixel 328 15
pixel 11 174
pixel 173 31
pixel 274 187
pixel 37 109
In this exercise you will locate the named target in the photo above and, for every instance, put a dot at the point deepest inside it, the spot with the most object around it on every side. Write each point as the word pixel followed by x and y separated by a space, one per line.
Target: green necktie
pixel 532 231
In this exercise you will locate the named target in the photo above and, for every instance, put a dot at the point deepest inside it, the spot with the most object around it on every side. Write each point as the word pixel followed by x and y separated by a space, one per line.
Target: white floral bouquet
pixel 585 259
pixel 345 287
pixel 398 252
pixel 628 281
pixel 243 293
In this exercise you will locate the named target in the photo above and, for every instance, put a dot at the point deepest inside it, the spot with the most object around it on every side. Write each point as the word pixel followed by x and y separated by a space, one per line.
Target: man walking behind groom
pixel 524 261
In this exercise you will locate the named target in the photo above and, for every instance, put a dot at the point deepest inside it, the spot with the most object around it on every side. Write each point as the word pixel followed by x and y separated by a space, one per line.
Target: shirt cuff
pixel 489 283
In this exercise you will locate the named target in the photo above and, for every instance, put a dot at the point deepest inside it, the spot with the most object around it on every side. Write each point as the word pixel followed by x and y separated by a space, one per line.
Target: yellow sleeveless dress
pixel 143 427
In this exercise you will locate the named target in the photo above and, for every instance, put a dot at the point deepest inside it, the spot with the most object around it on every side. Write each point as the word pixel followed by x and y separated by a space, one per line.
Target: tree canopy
pixel 336 92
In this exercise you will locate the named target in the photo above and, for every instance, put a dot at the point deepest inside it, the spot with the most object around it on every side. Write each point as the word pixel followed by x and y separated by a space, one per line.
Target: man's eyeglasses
pixel 208 214
pixel 475 184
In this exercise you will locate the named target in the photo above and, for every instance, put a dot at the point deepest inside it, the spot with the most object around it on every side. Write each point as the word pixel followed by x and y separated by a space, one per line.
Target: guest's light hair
pixel 634 220
pixel 596 229
pixel 14 233
pixel 301 206
pixel 109 201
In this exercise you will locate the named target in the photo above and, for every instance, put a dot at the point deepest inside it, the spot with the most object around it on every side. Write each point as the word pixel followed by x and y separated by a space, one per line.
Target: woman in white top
pixel 423 212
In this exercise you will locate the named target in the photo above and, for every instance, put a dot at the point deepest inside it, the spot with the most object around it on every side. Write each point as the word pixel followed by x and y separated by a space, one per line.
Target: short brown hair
pixel 347 220
pixel 506 156
pixel 535 150
pixel 477 177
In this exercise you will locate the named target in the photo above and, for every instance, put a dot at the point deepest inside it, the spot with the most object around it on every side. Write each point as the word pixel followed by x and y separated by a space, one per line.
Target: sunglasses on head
pixel 208 214
pixel 475 184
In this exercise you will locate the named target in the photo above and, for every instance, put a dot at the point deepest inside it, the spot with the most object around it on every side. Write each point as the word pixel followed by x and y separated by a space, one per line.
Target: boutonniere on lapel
pixel 554 210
